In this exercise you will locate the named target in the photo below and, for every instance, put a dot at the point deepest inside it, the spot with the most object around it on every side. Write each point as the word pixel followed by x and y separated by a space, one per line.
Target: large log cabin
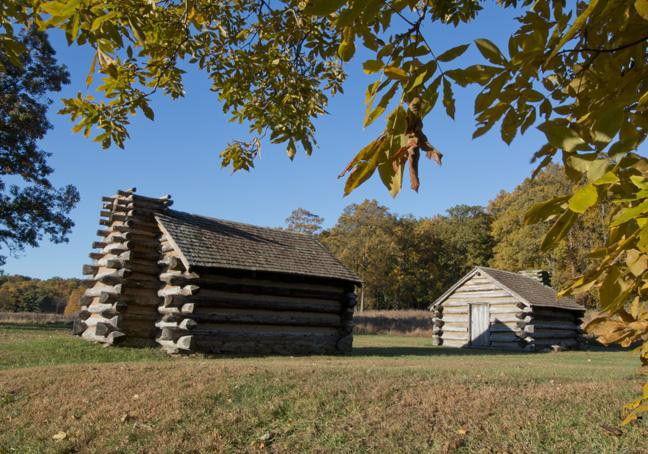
pixel 191 283
pixel 490 308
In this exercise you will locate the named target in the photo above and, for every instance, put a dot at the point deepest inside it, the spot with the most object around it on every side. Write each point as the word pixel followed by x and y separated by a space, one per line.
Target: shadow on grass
pixel 53 326
pixel 428 351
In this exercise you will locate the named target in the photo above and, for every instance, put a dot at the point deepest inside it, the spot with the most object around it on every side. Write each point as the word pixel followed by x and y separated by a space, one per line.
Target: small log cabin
pixel 191 283
pixel 490 308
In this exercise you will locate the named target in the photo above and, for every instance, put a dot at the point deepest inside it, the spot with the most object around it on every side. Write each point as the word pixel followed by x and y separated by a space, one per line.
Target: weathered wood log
pixel 454 336
pixel 244 282
pixel 454 342
pixel 185 324
pixel 455 318
pixel 99 290
pixel 554 334
pixel 113 277
pixel 115 248
pixel 517 317
pixel 78 327
pixel 463 300
pixel 568 325
pixel 102 308
pixel 89 270
pixel 96 319
pixel 208 284
pixel 211 298
pixel 172 263
pixel 182 343
pixel 187 290
pixel 457 329
pixel 113 338
pixel 456 310
pixel 178 278
pixel 103 329
pixel 508 337
pixel 266 317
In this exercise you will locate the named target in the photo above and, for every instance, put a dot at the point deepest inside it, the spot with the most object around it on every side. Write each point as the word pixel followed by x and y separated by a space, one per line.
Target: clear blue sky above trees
pixel 178 154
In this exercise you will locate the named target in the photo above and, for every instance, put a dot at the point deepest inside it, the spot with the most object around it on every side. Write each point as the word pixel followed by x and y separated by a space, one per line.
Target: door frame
pixel 470 319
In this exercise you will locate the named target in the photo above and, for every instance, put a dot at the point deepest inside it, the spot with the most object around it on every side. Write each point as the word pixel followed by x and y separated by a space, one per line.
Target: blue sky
pixel 177 154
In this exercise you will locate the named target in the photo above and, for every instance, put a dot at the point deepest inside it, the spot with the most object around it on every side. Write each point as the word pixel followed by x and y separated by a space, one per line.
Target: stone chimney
pixel 542 276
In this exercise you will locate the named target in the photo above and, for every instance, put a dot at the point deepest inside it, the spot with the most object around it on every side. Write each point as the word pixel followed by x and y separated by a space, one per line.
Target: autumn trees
pixel 407 262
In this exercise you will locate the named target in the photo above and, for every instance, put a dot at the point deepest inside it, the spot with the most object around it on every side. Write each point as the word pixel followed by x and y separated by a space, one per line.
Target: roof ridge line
pixel 210 218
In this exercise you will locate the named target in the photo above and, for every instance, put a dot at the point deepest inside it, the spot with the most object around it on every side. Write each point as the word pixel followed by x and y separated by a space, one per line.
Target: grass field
pixel 394 394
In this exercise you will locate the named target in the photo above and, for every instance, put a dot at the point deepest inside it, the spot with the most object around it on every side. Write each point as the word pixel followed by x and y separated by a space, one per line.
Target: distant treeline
pixel 25 294
pixel 407 262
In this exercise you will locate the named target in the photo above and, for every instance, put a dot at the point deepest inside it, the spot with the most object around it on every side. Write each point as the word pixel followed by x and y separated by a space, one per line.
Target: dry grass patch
pixel 393 395
pixel 395 323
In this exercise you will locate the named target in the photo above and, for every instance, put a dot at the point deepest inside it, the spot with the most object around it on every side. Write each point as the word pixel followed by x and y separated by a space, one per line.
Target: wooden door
pixel 479 323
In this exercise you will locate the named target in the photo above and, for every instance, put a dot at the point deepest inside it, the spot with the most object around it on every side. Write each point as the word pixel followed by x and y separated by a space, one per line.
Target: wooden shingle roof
pixel 527 289
pixel 216 243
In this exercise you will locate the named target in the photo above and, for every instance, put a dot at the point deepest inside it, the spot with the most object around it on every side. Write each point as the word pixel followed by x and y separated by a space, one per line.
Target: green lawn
pixel 394 394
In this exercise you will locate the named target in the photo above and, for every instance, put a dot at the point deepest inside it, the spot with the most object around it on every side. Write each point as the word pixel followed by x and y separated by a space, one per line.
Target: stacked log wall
pixel 509 318
pixel 556 327
pixel 210 312
pixel 121 307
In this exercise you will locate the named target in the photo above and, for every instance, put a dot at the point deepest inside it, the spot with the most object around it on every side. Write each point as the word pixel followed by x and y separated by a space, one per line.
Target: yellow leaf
pixel 393 72
pixel 584 198
pixel 59 436
pixel 642 8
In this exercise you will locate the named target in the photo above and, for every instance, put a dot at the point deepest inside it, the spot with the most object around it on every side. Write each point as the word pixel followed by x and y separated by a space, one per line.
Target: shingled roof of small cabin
pixel 527 289
pixel 216 243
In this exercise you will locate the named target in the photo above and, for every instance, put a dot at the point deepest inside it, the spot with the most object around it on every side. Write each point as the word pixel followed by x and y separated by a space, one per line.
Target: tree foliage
pixel 578 73
pixel 518 246
pixel 303 221
pixel 25 294
pixel 406 262
pixel 32 207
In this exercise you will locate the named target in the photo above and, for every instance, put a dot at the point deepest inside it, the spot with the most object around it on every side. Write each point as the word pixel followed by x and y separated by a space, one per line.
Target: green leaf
pixel 372 66
pixel 559 230
pixel 561 136
pixel 394 72
pixel 453 53
pixel 448 99
pixel 613 290
pixel 382 105
pixel 628 214
pixel 490 51
pixel 543 210
pixel 608 178
pixel 364 169
pixel 509 126
pixel 397 121
pixel 91 72
pixel 148 112
pixel 576 26
pixel 584 198
pixel 101 19
pixel 346 50
pixel 323 7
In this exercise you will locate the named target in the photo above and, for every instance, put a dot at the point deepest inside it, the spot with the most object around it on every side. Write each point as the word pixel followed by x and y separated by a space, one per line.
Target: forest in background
pixel 404 262
pixel 407 262
pixel 25 294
